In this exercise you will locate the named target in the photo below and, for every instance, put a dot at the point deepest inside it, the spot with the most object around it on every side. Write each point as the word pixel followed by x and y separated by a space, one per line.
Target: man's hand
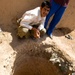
pixel 36 33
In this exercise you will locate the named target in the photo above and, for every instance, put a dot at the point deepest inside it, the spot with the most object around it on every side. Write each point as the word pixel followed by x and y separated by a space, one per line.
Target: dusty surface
pixel 31 57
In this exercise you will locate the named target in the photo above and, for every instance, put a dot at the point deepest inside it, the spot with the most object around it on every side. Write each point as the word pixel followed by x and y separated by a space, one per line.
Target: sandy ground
pixel 31 57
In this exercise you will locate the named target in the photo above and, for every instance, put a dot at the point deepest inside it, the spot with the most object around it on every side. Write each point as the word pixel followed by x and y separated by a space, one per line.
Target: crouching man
pixel 32 21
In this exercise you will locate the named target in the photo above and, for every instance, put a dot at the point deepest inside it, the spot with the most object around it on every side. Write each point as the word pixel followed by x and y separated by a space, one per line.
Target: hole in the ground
pixel 35 66
pixel 39 61
pixel 35 63
pixel 65 30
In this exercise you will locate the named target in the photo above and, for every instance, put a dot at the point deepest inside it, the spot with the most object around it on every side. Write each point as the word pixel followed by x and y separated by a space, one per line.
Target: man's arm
pixel 41 26
pixel 26 20
pixel 25 24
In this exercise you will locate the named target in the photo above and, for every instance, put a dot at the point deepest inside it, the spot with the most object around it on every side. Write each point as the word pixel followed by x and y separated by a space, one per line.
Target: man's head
pixel 45 8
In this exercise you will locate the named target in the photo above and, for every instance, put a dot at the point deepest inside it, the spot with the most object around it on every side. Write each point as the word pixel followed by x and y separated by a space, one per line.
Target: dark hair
pixel 46 3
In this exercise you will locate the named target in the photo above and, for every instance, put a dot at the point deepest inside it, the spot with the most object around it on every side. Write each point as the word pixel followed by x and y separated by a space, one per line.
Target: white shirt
pixel 32 17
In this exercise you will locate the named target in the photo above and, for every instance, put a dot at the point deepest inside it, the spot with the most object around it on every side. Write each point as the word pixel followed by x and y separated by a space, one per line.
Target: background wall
pixel 68 19
pixel 10 10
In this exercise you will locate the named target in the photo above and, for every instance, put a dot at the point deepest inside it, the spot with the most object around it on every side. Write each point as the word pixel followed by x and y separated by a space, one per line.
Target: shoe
pixel 51 36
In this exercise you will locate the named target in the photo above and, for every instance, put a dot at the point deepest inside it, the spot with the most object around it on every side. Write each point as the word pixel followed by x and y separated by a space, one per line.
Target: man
pixel 32 23
pixel 57 9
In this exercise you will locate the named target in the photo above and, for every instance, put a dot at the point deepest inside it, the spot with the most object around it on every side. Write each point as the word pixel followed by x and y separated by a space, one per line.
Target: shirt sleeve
pixel 24 24
pixel 26 20
pixel 41 26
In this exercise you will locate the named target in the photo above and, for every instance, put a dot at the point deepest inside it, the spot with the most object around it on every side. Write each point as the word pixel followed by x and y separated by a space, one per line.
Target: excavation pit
pixel 35 63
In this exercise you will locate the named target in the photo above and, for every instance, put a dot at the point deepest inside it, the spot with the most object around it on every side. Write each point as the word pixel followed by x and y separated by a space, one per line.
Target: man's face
pixel 44 11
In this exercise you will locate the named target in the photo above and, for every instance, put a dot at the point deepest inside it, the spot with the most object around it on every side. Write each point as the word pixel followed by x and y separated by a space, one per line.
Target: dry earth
pixel 31 57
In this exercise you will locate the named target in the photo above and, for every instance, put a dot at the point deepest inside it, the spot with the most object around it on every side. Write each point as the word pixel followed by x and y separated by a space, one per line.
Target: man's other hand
pixel 36 33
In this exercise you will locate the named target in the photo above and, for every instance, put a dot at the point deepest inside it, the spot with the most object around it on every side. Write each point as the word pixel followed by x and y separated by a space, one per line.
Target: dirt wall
pixel 68 17
pixel 10 10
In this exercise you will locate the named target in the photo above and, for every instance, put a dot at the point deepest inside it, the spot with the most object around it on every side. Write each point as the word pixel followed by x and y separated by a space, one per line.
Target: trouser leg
pixel 52 11
pixel 55 19
pixel 23 32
